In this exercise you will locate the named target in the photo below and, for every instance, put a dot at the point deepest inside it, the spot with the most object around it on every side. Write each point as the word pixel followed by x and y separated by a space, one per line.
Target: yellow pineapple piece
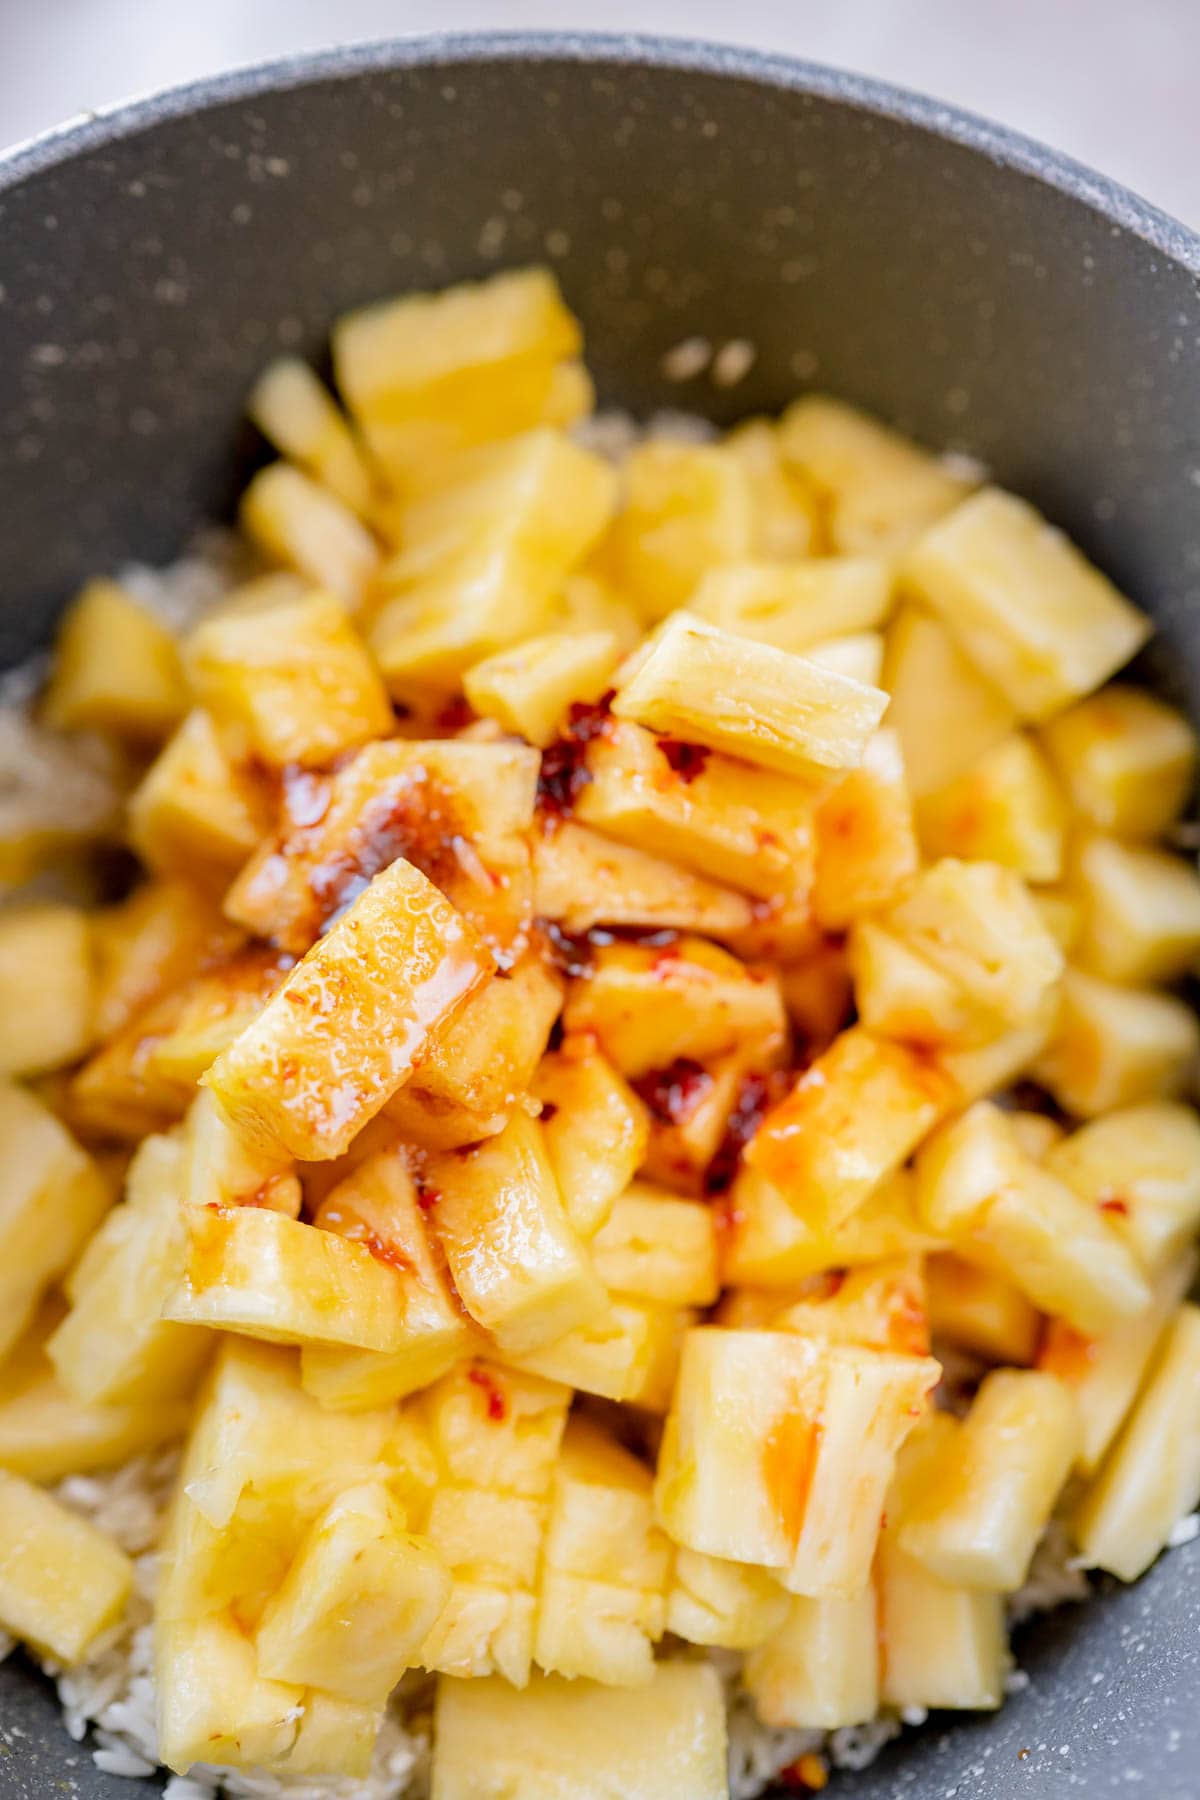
pixel 1139 912
pixel 1036 1132
pixel 1126 759
pixel 818 993
pixel 866 841
pixel 650 1005
pixel 765 1242
pixel 333 1737
pixel 62 1581
pixel 851 1120
pixel 628 1351
pixel 707 686
pixel 984 1068
pixel 1115 1046
pixel 1141 1167
pixel 858 655
pixel 296 411
pixel 293 684
pixel 1027 606
pixel 658 1247
pixel 494 1429
pixel 987 1501
pixel 530 688
pixel 47 987
pixel 219 1167
pixel 114 1346
pixel 821 1667
pixel 581 879
pixel 882 1307
pixel 1060 912
pixel 116 668
pixel 999 1207
pixel 783 520
pixel 52 1197
pixel 873 488
pixel 1006 807
pixel 594 1128
pixel 195 814
pixel 795 606
pixel 721 817
pixel 211 1700
pixel 945 712
pixel 301 523
pixel 150 942
pixel 357 1603
pixel 1151 1479
pixel 588 603
pixel 687 507
pixel 579 1738
pixel 380 980
pixel 519 1267
pixel 714 1601
pixel 981 1311
pixel 698 1113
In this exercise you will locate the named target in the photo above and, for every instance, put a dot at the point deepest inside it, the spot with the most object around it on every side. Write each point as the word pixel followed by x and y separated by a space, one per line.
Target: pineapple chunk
pixel 1114 1046
pixel 987 1067
pixel 352 1018
pixel 594 1128
pixel 859 656
pixel 300 523
pixel 1126 759
pixel 818 993
pixel 1141 1168
pixel 1036 1133
pixel 221 1168
pixel 1005 807
pixel 851 1120
pixel 195 814
pixel 701 1115
pixel 588 603
pixel 47 988
pixel 1001 1208
pixel 114 1346
pixel 881 1307
pixel 821 1668
pixel 62 1581
pixel 873 488
pixel 58 794
pixel 212 1702
pixel 714 1601
pixel 765 1241
pixel 52 1197
pixel 794 606
pixel 1139 912
pixel 295 410
pixel 945 713
pixel 530 688
pixel 519 1268
pixel 116 668
pixel 1060 915
pixel 687 507
pixel 783 518
pixel 866 843
pixel 1026 605
pixel 1152 1476
pixel 357 1603
pixel 707 686
pixel 987 1501
pixel 579 1740
pixel 659 1248
pixel 982 1312
pixel 493 1429
pixel 723 818
pixel 581 879
pixel 650 1005
pixel 629 1351
pixel 151 942
pixel 291 685
pixel 378 1205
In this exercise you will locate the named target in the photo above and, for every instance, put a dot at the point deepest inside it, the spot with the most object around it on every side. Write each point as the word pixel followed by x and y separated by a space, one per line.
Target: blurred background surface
pixel 1110 82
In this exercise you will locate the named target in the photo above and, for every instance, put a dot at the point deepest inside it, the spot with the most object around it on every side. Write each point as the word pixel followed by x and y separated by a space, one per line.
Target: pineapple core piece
pixel 62 1581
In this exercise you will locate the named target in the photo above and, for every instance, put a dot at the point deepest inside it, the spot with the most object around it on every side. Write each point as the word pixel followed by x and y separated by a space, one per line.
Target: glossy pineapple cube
pixel 520 1269
pixel 150 942
pixel 650 1005
pixel 873 488
pixel 882 1307
pixel 47 987
pixel 62 1580
pixel 1151 1479
pixel 714 1601
pixel 1026 605
pixel 866 842
pixel 687 507
pixel 562 1740
pixel 984 1068
pixel 1126 759
pixel 628 1351
pixel 983 1312
pixel 357 1603
pixel 658 1248
pixel 493 1428
pixel 851 1120
pixel 302 524
pixel 784 520
pixel 795 605
pixel 821 1668
pixel 52 1197
pixel 987 1501
pixel 707 686
pixel 766 1242
pixel 195 813
pixel 116 668
pixel 944 710
pixel 296 411
pixel 1140 1166
pixel 1113 1045
pixel 1006 807
pixel 594 1128
pixel 220 1167
pixel 581 879
pixel 530 688
pixel 1139 912
pixel 721 817
pixel 373 988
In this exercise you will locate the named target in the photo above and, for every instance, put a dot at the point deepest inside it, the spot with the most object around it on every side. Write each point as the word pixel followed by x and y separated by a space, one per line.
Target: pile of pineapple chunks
pixel 553 1080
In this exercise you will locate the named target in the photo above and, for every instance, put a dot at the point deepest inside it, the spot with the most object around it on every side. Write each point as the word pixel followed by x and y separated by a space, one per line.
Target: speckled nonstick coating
pixel 971 286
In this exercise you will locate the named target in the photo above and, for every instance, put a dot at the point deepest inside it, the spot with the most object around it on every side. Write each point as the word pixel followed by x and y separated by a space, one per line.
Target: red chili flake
pixel 455 715
pixel 687 760
pixel 383 1251
pixel 807 1775
pixel 674 1093
pixel 755 1097
pixel 415 819
pixel 1115 1205
pixel 427 1197
pixel 572 956
pixel 564 772
pixel 549 1109
pixel 497 1400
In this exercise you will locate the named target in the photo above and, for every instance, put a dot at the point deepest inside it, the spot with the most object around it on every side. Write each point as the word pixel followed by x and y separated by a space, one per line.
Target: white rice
pixel 181 594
